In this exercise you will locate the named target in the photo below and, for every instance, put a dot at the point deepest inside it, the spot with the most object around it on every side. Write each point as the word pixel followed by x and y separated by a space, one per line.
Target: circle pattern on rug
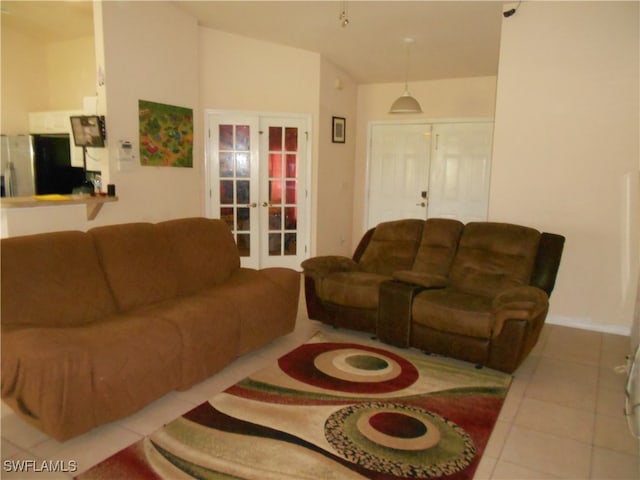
pixel 400 440
pixel 351 368
pixel 354 365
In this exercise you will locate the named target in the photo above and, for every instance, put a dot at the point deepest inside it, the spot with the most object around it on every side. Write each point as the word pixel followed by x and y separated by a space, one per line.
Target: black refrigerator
pixel 52 168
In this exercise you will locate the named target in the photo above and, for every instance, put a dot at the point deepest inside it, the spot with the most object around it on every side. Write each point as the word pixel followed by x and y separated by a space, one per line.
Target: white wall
pixel 334 175
pixel 566 148
pixel 455 98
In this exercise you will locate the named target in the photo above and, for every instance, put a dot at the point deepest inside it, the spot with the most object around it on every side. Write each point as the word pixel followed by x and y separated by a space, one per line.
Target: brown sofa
pixel 478 292
pixel 96 325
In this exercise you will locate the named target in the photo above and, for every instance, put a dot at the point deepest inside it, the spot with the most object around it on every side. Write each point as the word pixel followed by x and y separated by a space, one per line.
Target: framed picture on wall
pixel 338 130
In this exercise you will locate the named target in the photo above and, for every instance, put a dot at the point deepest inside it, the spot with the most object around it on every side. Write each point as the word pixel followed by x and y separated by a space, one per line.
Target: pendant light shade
pixel 405 102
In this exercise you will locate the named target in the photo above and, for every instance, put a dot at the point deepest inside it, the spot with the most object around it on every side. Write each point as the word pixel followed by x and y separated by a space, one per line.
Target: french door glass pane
pixel 275 165
pixel 243 165
pixel 275 192
pixel 283 171
pixel 226 164
pixel 291 139
pixel 234 158
pixel 242 137
pixel 275 139
pixel 292 165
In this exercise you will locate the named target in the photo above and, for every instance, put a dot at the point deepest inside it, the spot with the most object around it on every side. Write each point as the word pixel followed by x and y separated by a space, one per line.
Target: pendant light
pixel 405 102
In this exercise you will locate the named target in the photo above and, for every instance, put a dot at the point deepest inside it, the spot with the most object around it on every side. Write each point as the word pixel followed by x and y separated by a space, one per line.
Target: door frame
pixel 405 121
pixel 305 189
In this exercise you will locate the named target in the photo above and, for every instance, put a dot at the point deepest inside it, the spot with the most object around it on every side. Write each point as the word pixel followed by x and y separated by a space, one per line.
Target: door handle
pixel 267 204
pixel 421 204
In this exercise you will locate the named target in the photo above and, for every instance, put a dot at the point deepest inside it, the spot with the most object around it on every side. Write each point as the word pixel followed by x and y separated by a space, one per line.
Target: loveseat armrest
pixel 521 303
pixel 320 267
pixel 427 280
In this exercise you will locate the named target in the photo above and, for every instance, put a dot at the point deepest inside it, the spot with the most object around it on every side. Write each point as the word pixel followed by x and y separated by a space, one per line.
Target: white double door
pixel 422 170
pixel 257 180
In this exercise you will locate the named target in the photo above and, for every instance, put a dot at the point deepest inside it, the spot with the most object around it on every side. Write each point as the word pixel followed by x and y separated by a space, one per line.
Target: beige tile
pixel 549 454
pixel 485 468
pixel 513 400
pixel 610 402
pixel 566 383
pixel 574 345
pixel 8 449
pixel 566 370
pixel 556 419
pixel 613 433
pixel 610 465
pixel 611 378
pixel 614 350
pixel 563 393
pixel 20 433
pixel 542 339
pixel 158 413
pixel 527 368
pixel 90 448
pixel 510 471
pixel 497 439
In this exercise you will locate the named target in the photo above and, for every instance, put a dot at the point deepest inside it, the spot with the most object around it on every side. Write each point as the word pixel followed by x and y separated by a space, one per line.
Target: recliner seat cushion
pixel 453 311
pixel 353 289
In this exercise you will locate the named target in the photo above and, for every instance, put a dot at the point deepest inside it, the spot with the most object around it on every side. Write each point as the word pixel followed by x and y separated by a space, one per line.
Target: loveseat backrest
pixel 392 247
pixel 203 252
pixel 547 261
pixel 52 279
pixel 438 246
pixel 494 256
pixel 136 259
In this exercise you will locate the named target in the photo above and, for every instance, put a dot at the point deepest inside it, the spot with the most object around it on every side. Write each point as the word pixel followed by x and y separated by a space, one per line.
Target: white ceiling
pixel 452 38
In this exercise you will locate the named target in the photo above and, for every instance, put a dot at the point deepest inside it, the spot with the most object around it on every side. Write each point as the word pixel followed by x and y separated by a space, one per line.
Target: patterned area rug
pixel 329 410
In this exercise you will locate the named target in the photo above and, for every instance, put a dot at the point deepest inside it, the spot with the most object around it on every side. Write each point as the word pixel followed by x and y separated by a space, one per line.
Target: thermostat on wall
pixel 126 155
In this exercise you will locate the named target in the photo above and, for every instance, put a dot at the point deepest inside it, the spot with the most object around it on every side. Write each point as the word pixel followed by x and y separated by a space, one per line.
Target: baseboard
pixel 587 324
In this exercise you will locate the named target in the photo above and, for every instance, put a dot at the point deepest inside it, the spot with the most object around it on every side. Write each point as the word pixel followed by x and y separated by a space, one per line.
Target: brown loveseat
pixel 96 325
pixel 478 292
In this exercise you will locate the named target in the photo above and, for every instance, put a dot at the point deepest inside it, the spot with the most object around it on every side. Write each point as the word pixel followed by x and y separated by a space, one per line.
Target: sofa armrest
pixel 320 267
pixel 427 280
pixel 521 303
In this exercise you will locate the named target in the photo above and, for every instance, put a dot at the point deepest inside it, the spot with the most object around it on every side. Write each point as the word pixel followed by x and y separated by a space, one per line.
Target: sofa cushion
pixel 136 258
pixel 208 330
pixel 266 302
pixel 392 247
pixel 492 257
pixel 453 311
pixel 438 246
pixel 203 252
pixel 353 289
pixel 53 279
pixel 68 380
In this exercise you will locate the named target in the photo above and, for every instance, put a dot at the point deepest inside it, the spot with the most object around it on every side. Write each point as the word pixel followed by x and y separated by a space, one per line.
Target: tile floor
pixel 563 416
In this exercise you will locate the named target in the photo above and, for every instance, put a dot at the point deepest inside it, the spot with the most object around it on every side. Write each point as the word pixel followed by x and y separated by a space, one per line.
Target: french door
pixel 258 185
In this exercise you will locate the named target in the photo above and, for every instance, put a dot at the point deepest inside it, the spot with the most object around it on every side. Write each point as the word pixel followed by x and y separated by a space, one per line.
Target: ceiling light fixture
pixel 344 15
pixel 405 102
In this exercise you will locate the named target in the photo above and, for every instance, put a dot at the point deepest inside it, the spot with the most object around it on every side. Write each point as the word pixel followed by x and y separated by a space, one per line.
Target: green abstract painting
pixel 166 135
